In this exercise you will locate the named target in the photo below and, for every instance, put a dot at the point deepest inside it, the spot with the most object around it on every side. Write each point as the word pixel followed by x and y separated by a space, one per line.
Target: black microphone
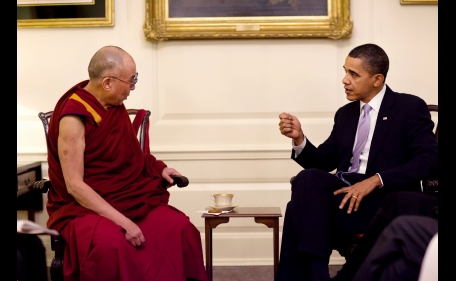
pixel 180 181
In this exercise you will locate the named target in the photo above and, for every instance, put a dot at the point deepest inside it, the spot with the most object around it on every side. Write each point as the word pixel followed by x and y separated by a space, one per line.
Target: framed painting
pixel 64 13
pixel 224 19
pixel 418 2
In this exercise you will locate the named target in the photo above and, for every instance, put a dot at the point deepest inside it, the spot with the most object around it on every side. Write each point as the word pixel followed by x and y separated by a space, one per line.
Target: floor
pixel 250 273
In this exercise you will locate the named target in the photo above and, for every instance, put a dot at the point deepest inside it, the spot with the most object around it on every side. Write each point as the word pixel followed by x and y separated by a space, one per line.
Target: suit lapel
pixel 384 119
pixel 349 118
pixel 352 123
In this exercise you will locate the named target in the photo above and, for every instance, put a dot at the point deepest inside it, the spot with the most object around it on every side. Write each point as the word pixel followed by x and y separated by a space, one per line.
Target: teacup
pixel 222 199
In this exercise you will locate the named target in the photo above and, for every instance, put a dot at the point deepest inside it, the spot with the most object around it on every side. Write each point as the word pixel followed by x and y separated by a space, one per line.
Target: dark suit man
pixel 31 258
pixel 400 150
pixel 396 204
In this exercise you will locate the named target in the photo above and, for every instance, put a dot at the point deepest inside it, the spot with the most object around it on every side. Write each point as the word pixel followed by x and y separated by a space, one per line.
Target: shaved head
pixel 107 61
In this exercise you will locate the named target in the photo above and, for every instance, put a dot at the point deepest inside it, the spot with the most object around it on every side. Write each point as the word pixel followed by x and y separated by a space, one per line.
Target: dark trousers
pixel 399 250
pixel 31 258
pixel 314 224
pixel 394 205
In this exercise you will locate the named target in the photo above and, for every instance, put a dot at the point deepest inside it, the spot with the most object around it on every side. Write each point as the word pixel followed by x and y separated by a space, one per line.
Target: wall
pixel 215 103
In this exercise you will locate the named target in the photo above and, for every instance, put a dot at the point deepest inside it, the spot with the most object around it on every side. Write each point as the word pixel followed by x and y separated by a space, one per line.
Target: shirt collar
pixel 376 101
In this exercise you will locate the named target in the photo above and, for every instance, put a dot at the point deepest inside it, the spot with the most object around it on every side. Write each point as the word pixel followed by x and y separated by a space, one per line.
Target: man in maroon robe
pixel 107 199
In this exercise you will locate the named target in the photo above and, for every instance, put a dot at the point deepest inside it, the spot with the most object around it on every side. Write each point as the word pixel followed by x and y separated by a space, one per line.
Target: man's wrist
pixel 298 148
pixel 380 179
pixel 299 141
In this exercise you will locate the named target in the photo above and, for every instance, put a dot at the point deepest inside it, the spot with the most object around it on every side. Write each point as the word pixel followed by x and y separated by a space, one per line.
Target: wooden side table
pixel 268 216
pixel 27 198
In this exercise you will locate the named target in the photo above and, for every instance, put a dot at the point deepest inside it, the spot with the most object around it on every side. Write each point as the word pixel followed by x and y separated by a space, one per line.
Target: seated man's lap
pixel 100 242
pixel 320 185
pixel 163 220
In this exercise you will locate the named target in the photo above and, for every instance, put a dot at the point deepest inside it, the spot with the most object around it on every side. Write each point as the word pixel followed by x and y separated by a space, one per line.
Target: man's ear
pixel 378 80
pixel 106 83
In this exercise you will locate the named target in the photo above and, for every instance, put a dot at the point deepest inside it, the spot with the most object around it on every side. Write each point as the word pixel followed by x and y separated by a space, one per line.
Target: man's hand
pixel 355 193
pixel 133 234
pixel 167 173
pixel 290 127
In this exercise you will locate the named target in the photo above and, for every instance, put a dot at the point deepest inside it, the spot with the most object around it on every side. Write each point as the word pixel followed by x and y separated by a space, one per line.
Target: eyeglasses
pixel 132 83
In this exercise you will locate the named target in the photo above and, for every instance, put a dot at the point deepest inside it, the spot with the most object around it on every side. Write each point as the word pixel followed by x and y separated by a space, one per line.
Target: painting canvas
pixel 247 8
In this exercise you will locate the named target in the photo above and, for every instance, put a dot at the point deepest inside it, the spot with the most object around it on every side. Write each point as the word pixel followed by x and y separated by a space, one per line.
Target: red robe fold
pixel 129 180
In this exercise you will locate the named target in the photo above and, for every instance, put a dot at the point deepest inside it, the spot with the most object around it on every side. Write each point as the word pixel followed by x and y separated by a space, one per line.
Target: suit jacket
pixel 403 151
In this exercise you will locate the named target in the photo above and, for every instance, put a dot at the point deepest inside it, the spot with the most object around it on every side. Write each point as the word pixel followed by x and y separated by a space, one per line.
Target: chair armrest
pixel 42 185
pixel 431 185
pixel 291 179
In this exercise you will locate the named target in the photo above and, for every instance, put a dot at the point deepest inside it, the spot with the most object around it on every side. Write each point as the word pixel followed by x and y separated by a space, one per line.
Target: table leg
pixel 276 245
pixel 274 224
pixel 208 234
pixel 211 223
pixel 31 213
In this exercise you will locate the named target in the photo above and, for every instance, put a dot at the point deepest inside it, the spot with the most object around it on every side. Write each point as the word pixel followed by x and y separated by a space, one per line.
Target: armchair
pixel 428 185
pixel 57 242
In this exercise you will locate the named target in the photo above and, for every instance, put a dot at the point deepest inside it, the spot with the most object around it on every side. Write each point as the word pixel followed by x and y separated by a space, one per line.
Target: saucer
pixel 224 208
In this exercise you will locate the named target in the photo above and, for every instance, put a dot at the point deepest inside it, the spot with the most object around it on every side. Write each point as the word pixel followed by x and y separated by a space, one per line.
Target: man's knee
pixel 411 224
pixel 313 179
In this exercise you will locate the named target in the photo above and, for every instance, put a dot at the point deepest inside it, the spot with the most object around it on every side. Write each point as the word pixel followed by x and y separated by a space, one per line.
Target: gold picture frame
pixel 75 14
pixel 222 19
pixel 419 2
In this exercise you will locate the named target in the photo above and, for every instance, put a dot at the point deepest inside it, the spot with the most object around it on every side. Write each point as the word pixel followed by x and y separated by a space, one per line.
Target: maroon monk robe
pixel 130 181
